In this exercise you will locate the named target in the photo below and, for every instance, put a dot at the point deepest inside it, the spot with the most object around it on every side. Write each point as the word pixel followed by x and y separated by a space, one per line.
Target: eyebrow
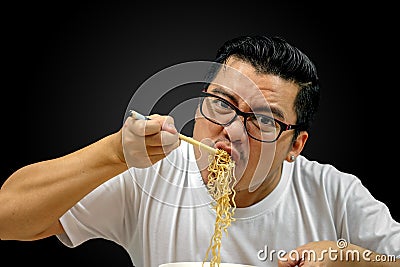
pixel 275 111
pixel 226 94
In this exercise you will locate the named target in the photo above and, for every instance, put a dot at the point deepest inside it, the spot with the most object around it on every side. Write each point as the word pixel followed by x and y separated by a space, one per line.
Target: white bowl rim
pixel 196 263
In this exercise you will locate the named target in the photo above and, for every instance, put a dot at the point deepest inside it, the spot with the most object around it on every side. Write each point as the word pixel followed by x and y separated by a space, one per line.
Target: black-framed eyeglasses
pixel 260 127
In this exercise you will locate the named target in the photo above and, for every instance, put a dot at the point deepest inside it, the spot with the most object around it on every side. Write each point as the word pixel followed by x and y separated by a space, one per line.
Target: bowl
pixel 200 264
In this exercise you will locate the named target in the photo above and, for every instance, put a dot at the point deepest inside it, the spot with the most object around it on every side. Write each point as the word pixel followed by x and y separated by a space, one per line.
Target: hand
pixel 147 141
pixel 325 254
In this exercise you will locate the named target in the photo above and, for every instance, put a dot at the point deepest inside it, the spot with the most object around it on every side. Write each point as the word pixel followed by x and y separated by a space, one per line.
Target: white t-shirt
pixel 162 214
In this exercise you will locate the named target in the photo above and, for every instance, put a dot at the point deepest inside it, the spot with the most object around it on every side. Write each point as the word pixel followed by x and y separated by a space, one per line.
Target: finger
pixel 161 153
pixel 162 138
pixel 167 123
pixel 164 150
pixel 170 148
pixel 143 127
pixel 288 261
pixel 285 264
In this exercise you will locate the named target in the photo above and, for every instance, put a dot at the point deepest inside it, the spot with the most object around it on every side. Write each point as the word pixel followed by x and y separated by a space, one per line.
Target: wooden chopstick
pixel 197 143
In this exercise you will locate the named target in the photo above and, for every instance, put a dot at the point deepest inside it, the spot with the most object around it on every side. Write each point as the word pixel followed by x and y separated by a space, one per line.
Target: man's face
pixel 241 85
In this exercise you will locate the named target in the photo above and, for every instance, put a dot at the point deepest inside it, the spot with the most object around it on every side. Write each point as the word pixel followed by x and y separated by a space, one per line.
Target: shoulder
pixel 314 175
pixel 316 170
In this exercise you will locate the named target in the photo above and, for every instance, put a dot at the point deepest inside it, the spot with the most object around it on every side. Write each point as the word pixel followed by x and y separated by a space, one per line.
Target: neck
pixel 245 198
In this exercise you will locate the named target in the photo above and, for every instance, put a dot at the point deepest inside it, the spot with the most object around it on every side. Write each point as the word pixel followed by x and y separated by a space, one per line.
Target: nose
pixel 236 131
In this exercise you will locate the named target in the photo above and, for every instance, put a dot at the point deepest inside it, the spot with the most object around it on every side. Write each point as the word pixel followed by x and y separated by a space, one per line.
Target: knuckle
pixel 168 138
pixel 140 128
pixel 169 119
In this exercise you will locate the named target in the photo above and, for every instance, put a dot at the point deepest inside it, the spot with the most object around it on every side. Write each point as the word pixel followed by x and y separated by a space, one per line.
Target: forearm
pixel 36 196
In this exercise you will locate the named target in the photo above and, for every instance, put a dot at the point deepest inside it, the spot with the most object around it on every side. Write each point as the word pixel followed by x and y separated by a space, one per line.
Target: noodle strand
pixel 220 186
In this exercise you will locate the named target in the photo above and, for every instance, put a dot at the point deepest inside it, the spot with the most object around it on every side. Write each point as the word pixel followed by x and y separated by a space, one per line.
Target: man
pixel 290 211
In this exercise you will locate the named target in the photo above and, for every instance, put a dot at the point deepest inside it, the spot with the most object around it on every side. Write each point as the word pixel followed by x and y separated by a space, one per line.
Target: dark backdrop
pixel 69 71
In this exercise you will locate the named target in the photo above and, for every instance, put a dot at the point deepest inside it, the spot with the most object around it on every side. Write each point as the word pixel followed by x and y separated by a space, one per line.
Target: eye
pixel 221 105
pixel 263 122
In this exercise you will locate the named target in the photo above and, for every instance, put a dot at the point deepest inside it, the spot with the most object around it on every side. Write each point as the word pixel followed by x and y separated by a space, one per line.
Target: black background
pixel 70 69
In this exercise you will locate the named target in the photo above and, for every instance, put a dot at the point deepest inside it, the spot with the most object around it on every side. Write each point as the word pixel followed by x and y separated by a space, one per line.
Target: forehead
pixel 254 89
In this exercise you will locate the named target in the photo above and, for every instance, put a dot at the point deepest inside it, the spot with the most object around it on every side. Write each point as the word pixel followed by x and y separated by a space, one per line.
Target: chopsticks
pixel 138 116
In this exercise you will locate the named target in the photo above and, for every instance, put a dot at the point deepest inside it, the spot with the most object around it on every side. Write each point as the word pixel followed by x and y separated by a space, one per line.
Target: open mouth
pixel 228 148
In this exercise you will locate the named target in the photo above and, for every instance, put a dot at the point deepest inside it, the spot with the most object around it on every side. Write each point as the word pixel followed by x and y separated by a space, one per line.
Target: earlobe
pixel 298 145
pixel 197 113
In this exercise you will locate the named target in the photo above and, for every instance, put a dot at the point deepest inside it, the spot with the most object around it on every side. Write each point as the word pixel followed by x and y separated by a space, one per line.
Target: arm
pixel 34 197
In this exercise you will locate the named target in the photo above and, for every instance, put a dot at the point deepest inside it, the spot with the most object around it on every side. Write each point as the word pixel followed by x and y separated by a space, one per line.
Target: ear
pixel 297 146
pixel 197 113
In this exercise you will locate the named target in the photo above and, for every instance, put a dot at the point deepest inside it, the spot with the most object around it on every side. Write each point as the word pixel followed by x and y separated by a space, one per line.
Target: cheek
pixel 261 156
pixel 204 129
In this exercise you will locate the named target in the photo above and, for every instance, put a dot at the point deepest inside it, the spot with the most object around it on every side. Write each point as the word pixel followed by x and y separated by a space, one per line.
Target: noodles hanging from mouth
pixel 220 186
